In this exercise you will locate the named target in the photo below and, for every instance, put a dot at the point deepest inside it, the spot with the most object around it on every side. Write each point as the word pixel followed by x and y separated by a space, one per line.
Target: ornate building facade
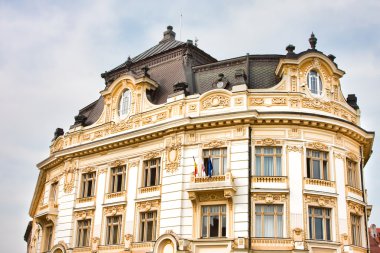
pixel 184 153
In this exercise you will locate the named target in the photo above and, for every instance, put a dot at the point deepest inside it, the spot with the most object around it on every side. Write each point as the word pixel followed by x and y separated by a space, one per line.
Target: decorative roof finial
pixel 313 41
pixel 128 63
pixel 145 70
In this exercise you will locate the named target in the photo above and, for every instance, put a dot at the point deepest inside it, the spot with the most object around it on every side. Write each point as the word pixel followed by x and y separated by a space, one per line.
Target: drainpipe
pixel 364 197
pixel 249 186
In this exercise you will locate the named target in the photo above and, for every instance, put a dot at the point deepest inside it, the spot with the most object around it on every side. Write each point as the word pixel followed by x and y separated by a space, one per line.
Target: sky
pixel 53 52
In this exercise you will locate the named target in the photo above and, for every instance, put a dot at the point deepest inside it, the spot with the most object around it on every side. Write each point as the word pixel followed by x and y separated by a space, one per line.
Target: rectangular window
pixel 48 237
pixel 88 185
pixel 54 192
pixel 148 224
pixel 218 158
pixel 269 220
pixel 83 233
pixel 317 166
pixel 353 177
pixel 118 179
pixel 320 223
pixel 268 161
pixel 151 175
pixel 214 221
pixel 356 230
pixel 113 231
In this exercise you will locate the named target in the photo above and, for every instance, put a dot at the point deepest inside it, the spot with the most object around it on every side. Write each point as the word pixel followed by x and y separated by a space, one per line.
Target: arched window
pixel 314 82
pixel 124 102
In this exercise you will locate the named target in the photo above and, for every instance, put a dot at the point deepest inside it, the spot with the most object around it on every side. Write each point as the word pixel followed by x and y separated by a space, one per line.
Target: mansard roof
pixel 171 62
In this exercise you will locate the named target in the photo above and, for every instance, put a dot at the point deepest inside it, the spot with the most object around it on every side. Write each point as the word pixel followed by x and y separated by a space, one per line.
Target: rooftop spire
pixel 168 34
pixel 313 41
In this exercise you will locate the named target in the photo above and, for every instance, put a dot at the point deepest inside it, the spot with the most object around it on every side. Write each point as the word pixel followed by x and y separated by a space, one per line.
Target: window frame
pixel 356 231
pixel 222 156
pixel 318 84
pixel 220 214
pixel 146 172
pixel 353 174
pixel 324 217
pixel 85 185
pixel 143 225
pixel 276 214
pixel 53 195
pixel 324 175
pixel 114 178
pixel 124 104
pixel 110 229
pixel 79 232
pixel 274 157
pixel 48 237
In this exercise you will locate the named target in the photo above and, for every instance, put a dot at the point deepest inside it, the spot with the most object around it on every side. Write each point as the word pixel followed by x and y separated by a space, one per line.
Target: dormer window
pixel 314 82
pixel 124 103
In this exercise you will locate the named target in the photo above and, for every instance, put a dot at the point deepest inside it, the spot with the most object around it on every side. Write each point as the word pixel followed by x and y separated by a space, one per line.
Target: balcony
pixel 218 183
pixel 354 192
pixel 314 184
pixel 51 208
pixel 149 191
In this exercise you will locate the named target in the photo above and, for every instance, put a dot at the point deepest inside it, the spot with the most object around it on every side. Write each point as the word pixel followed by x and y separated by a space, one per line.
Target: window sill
pixel 322 242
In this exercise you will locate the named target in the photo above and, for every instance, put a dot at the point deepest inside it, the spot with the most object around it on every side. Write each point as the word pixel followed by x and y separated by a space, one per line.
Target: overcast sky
pixel 52 54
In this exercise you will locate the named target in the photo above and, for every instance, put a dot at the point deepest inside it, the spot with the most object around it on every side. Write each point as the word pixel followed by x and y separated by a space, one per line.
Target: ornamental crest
pixel 69 175
pixel 173 157
pixel 219 100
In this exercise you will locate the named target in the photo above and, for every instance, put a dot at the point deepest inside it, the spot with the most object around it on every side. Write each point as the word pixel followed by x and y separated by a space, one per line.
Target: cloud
pixel 52 54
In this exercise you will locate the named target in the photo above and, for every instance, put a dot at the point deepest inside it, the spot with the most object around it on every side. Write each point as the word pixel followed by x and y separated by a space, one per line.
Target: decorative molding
pixel 84 214
pixel 318 146
pixel 294 149
pixel 134 163
pixel 269 198
pixel 214 196
pixel 149 189
pixel 151 155
pixel 113 210
pixel 218 178
pixel 239 101
pixel 69 175
pixel 88 169
pixel 215 144
pixel 117 163
pixel 256 101
pixel 148 205
pixel 101 171
pixel 356 208
pixel 217 100
pixel 279 101
pixel 173 157
pixel 193 107
pixel 115 194
pixel 271 179
pixel 317 104
pixel 352 156
pixel 268 142
pixel 320 200
pixel 128 241
pixel 320 182
pixel 338 155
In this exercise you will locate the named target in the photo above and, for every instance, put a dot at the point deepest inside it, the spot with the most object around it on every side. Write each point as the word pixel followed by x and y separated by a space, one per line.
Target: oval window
pixel 124 102
pixel 314 82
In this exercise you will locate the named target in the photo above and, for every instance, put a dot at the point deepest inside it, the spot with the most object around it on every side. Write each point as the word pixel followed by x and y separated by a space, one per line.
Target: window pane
pixel 215 165
pixel 214 226
pixel 268 226
pixel 278 166
pixel 258 166
pixel 224 225
pixel 204 226
pixel 328 236
pixel 316 169
pixel 149 235
pixel 318 228
pixel 258 226
pixel 279 226
pixel 268 166
pixel 153 176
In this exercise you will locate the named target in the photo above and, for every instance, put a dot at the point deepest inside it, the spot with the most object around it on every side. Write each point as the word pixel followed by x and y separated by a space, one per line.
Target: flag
pixel 202 165
pixel 195 167
pixel 209 167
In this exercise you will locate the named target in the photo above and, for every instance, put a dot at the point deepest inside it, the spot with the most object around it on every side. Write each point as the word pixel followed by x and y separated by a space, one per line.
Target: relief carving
pixel 151 155
pixel 279 101
pixel 147 205
pixel 352 156
pixel 113 210
pixel 294 149
pixel 211 196
pixel 69 175
pixel 320 200
pixel 256 101
pixel 316 104
pixel 219 100
pixel 173 157
pixel 84 214
pixel 318 146
pixel 215 144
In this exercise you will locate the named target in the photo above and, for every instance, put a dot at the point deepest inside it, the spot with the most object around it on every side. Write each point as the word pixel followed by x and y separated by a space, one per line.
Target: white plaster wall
pixel 295 192
pixel 341 190
pixel 131 196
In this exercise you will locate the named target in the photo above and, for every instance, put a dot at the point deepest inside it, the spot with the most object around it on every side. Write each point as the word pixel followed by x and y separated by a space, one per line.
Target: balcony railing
pixel 268 179
pixel 149 189
pixel 272 243
pixel 87 199
pixel 115 195
pixel 142 245
pixel 320 182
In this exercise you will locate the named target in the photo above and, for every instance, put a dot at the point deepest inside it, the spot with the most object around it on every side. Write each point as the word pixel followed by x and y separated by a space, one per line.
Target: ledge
pixel 148 189
pixel 272 243
pixel 115 194
pixel 85 200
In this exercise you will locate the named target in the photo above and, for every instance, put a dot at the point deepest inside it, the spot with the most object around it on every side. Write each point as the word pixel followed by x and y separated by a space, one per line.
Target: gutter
pixel 249 187
pixel 364 198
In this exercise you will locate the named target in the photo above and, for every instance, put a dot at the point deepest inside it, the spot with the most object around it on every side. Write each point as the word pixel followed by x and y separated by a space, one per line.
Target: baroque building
pixel 185 153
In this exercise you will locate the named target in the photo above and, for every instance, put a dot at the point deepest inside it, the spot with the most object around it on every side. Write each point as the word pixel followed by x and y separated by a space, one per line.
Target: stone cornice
pixel 211 121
